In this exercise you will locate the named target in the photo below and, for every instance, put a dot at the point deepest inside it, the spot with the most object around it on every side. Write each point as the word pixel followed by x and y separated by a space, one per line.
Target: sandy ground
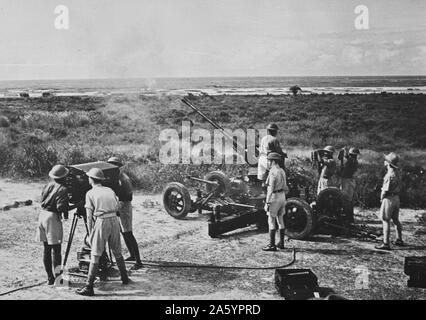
pixel 350 266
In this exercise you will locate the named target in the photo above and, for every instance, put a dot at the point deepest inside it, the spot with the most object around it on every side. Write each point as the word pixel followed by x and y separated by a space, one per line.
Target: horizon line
pixel 216 77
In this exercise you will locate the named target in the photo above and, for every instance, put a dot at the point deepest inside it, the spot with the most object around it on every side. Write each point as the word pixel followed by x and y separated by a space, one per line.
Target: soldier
pixel 102 205
pixel 389 209
pixel 269 144
pixel 347 182
pixel 327 168
pixel 54 201
pixel 275 200
pixel 125 196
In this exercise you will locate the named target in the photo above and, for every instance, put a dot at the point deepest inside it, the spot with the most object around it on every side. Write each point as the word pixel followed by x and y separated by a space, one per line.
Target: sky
pixel 202 38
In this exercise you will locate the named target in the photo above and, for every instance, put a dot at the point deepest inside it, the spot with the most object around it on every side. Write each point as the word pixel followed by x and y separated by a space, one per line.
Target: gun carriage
pixel 238 202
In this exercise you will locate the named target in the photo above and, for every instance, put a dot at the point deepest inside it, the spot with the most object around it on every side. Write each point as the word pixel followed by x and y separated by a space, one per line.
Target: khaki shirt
pixel 391 182
pixel 276 179
pixel 269 144
pixel 101 200
pixel 54 198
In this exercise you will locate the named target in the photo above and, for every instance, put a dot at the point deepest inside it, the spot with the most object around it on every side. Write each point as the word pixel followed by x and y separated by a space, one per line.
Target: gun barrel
pixel 241 205
pixel 215 125
pixel 214 183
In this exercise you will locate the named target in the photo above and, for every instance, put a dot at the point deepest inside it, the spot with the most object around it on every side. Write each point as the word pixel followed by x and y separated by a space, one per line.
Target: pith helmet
pixel 58 172
pixel 272 127
pixel 329 149
pixel 116 161
pixel 96 173
pixel 392 158
pixel 274 156
pixel 354 151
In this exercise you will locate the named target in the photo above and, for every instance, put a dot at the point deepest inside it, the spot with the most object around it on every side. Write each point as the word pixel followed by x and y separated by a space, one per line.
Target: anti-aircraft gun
pixel 237 202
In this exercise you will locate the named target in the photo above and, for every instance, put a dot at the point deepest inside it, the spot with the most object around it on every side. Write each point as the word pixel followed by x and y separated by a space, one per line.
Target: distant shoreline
pixel 16 93
pixel 215 86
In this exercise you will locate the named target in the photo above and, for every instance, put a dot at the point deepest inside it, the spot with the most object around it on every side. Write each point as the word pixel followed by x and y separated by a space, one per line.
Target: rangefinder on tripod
pixel 78 185
pixel 77 181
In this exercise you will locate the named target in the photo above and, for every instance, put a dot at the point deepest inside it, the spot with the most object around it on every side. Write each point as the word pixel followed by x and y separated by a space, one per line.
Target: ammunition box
pixel 296 284
pixel 415 267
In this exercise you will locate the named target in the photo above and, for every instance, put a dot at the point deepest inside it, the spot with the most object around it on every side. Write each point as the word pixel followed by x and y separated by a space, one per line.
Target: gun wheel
pixel 299 220
pixel 176 200
pixel 332 203
pixel 222 179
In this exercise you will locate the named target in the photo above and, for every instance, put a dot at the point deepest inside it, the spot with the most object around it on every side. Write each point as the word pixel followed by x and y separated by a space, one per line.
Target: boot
pixel 383 246
pixel 135 248
pixel 281 243
pixel 123 272
pixel 271 246
pixel 399 243
pixel 137 266
pixel 128 242
pixel 88 289
pixel 47 262
pixel 57 261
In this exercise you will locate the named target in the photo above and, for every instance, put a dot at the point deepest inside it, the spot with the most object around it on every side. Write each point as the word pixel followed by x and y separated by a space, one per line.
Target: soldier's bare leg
pixel 121 265
pixel 398 229
pixel 386 218
pixel 114 243
pixel 386 231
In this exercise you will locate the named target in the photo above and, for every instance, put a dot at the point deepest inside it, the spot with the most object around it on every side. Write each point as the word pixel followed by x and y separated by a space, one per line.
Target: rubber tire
pixel 339 197
pixel 311 220
pixel 222 178
pixel 180 188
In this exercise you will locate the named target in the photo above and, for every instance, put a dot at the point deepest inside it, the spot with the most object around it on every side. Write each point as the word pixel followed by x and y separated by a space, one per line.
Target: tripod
pixel 78 214
pixel 105 258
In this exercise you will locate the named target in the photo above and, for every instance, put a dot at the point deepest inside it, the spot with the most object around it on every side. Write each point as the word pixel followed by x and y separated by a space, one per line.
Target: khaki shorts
pixel 106 230
pixel 348 188
pixel 390 208
pixel 276 210
pixel 279 220
pixel 49 228
pixel 277 205
pixel 126 216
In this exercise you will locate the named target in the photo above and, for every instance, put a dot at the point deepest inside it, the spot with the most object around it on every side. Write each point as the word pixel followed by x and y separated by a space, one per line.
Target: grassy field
pixel 70 130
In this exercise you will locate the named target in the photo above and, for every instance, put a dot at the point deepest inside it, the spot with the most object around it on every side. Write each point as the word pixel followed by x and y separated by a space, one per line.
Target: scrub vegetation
pixel 70 130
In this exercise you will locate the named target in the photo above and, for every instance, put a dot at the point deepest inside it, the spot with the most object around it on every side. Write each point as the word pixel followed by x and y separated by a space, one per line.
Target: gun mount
pixel 237 202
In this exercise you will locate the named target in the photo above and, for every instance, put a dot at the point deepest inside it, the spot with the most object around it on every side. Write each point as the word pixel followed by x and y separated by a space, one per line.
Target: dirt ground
pixel 349 266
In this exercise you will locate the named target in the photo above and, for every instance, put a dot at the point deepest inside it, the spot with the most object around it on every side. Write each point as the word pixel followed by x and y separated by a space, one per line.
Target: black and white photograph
pixel 213 155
